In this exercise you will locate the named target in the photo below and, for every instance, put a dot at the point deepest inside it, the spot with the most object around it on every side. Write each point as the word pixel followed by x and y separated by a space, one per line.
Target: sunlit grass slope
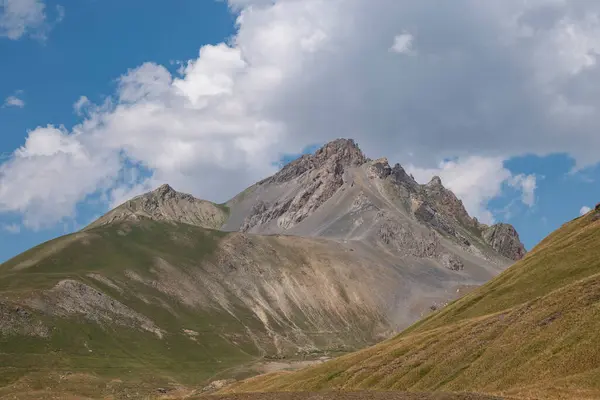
pixel 74 345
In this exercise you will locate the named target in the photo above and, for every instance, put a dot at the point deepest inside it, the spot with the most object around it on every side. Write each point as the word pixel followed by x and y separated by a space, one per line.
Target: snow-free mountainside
pixel 530 333
pixel 168 294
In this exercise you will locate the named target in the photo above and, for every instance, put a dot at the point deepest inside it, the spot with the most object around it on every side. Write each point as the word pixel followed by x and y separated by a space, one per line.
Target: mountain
pixel 532 332
pixel 333 253
pixel 165 204
pixel 338 193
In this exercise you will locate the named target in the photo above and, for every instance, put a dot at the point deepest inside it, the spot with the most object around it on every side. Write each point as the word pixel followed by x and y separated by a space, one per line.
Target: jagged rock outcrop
pixel 166 204
pixel 338 192
pixel 333 157
pixel 447 202
pixel 505 240
pixel 321 176
pixel 406 241
pixel 414 242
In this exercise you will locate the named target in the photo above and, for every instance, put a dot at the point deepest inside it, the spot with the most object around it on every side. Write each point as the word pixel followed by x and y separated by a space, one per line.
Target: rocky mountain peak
pixel 505 240
pixel 436 181
pixel 335 155
pixel 447 202
pixel 164 190
pixel 343 150
pixel 382 169
pixel 288 200
pixel 166 204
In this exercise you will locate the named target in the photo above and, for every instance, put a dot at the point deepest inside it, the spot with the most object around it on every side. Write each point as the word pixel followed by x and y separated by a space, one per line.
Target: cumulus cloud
pixel 22 17
pixel 490 80
pixel 14 101
pixel 51 173
pixel 403 44
pixel 584 210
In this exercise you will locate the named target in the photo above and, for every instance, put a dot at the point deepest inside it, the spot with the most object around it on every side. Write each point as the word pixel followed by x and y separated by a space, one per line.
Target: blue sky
pixel 181 93
pixel 83 55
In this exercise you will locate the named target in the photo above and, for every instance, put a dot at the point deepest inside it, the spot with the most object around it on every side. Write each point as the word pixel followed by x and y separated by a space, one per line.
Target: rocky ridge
pixel 166 204
pixel 318 184
pixel 322 175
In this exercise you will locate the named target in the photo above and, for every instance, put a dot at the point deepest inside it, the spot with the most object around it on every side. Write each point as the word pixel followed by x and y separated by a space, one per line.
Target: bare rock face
pixel 451 262
pixel 332 157
pixel 166 204
pixel 70 297
pixel 348 190
pixel 505 240
pixel 319 177
pixel 18 320
pixel 406 241
pixel 411 242
pixel 447 202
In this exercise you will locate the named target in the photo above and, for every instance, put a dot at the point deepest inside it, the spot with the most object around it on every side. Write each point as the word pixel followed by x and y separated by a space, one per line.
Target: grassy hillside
pixel 532 332
pixel 68 336
pixel 132 307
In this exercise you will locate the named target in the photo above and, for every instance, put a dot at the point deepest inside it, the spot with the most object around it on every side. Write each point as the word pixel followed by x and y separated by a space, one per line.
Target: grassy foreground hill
pixel 532 332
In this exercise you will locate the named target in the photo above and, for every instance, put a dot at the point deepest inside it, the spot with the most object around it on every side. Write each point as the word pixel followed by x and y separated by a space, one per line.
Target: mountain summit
pixel 166 204
pixel 339 193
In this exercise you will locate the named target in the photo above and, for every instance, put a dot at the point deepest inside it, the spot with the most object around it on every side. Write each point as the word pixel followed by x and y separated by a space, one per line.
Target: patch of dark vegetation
pixel 552 317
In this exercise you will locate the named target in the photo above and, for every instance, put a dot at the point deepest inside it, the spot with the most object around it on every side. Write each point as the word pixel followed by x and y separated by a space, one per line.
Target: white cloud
pixel 475 180
pixel 12 228
pixel 403 44
pixel 493 80
pixel 50 174
pixel 22 17
pixel 527 185
pixel 584 210
pixel 14 101
pixel 81 104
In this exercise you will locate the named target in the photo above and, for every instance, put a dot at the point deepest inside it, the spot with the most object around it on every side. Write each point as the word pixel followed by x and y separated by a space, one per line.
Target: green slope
pixel 532 332
pixel 131 307
pixel 72 344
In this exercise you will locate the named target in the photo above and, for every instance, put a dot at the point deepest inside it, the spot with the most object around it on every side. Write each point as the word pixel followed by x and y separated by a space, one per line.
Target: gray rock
pixel 451 262
pixel 166 204
pixel 505 240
